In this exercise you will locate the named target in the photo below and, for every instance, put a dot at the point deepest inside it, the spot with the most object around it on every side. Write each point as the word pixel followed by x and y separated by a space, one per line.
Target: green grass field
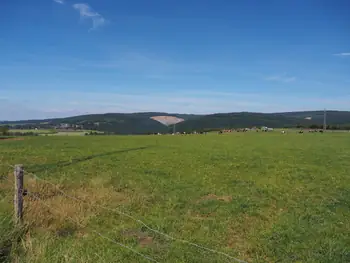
pixel 39 131
pixel 51 132
pixel 259 197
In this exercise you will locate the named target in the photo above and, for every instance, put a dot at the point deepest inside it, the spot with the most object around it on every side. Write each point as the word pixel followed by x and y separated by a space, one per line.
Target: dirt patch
pixel 66 231
pixel 142 237
pixel 225 198
pixel 146 241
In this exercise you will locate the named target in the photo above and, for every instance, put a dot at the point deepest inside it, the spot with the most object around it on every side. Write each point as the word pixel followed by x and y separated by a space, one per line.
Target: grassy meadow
pixel 52 132
pixel 39 131
pixel 259 197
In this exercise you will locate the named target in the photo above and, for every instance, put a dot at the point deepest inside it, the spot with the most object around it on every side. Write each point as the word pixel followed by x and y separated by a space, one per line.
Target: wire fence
pixel 118 211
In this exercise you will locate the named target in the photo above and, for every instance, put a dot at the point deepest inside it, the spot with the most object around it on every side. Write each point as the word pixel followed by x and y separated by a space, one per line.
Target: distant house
pixel 264 128
pixel 64 125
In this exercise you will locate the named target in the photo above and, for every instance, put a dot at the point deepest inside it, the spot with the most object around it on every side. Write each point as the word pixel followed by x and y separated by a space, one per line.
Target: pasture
pixel 52 132
pixel 38 131
pixel 258 197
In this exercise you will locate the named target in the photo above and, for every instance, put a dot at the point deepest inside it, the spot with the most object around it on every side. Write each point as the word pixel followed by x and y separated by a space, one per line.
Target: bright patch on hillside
pixel 167 120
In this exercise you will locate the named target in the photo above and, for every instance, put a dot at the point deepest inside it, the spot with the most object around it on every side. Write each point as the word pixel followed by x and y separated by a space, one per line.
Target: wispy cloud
pixel 59 1
pixel 342 54
pixel 86 12
pixel 281 78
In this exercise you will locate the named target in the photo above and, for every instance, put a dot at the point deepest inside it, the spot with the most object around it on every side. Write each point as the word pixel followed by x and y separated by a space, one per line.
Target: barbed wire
pixel 140 222
pixel 96 232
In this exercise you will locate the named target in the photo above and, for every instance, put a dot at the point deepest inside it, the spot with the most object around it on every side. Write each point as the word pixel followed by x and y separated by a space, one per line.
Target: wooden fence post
pixel 18 200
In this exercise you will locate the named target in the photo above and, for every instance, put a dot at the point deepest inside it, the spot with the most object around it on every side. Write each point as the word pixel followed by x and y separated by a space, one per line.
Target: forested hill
pixel 121 123
pixel 335 119
pixel 141 123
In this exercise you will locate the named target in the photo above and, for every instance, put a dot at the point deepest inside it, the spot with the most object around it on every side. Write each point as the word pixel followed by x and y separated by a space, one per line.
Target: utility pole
pixel 324 120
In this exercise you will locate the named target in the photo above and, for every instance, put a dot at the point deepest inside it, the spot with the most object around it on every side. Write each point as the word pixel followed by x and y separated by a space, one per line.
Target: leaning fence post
pixel 18 200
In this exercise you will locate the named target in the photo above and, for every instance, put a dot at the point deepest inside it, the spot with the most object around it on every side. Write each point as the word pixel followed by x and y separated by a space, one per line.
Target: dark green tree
pixel 4 130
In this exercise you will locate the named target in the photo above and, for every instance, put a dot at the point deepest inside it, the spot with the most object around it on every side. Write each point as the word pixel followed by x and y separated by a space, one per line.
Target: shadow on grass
pixel 61 164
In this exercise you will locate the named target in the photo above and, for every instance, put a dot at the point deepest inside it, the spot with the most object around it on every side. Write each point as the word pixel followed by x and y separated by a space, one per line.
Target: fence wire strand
pixel 96 232
pixel 142 223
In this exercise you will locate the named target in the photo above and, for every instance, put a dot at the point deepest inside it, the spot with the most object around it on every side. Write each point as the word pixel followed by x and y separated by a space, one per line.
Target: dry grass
pixel 42 196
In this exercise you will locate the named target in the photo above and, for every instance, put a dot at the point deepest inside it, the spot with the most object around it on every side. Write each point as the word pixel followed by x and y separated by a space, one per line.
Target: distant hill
pixel 141 123
pixel 121 123
pixel 333 117
pixel 336 119
pixel 238 120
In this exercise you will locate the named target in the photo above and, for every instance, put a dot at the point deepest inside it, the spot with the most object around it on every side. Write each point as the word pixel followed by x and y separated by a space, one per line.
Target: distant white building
pixel 64 125
pixel 264 128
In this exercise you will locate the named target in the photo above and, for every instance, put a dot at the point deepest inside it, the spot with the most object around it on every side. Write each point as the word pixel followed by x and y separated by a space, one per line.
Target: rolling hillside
pixel 238 120
pixel 141 123
pixel 120 123
pixel 273 120
pixel 333 117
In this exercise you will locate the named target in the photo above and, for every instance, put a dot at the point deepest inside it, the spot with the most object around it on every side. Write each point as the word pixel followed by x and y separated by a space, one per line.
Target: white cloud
pixel 86 12
pixel 59 1
pixel 281 78
pixel 343 54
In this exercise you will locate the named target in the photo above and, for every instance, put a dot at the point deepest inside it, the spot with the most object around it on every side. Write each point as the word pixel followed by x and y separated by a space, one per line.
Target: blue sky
pixel 66 57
